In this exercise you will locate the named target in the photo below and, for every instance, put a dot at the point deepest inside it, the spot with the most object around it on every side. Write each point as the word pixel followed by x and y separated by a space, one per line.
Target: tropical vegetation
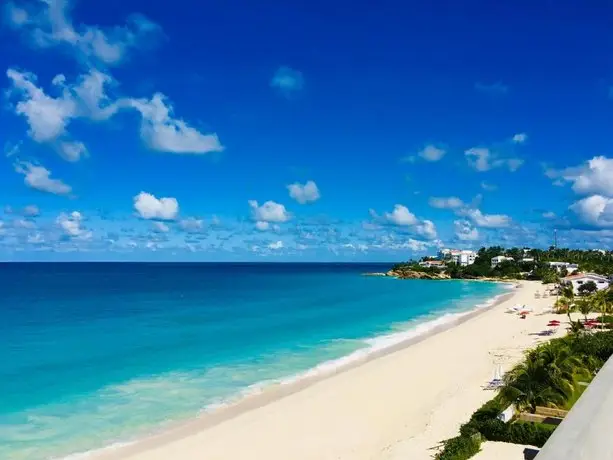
pixel 524 263
pixel 552 375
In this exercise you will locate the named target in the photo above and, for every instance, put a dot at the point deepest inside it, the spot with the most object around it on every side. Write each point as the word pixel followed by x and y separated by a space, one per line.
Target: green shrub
pixel 534 434
pixel 460 448
pixel 494 430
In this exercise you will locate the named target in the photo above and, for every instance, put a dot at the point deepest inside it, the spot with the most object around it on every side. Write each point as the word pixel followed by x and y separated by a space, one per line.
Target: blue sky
pixel 149 130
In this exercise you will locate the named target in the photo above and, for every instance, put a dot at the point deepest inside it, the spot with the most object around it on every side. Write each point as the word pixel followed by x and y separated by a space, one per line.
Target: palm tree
pixel 545 378
pixel 568 291
pixel 585 306
pixel 562 305
pixel 601 302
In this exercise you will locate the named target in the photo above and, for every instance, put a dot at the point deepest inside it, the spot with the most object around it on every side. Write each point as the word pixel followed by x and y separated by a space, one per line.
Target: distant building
pixel 432 263
pixel 576 281
pixel 462 257
pixel 528 260
pixel 570 268
pixel 499 259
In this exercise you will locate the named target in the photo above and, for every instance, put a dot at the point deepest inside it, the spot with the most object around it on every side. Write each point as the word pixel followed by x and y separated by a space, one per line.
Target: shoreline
pixel 291 385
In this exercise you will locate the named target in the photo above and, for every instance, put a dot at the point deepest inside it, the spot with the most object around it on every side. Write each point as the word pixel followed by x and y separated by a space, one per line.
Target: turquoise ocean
pixel 96 355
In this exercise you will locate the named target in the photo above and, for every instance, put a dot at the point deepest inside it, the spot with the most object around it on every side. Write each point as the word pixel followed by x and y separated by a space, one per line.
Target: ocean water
pixel 97 354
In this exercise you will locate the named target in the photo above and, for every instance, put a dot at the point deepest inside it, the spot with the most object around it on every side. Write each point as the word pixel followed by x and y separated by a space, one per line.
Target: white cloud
pixel 520 138
pixel 276 245
pixel 50 25
pixel 160 227
pixel 464 231
pixel 304 193
pixel 451 202
pixel 31 211
pixel 287 80
pixel 47 117
pixel 192 224
pixel 432 153
pixel 16 16
pixel 594 177
pixel 268 212
pixel 488 187
pixel 427 229
pixel 401 216
pixel 72 151
pixel 595 210
pixel 160 131
pixel 149 207
pixel 483 159
pixel 71 225
pixel 485 220
pixel 23 223
pixel 262 226
pixel 39 178
pixel 549 215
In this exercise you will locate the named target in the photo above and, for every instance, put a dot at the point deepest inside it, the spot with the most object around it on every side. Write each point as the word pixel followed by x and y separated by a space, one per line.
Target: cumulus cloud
pixel 46 116
pixel 451 202
pixel 520 138
pixel 427 229
pixel 161 131
pixel 464 231
pixel 270 211
pixel 71 225
pixel 402 217
pixel 72 151
pixel 160 227
pixel 287 80
pixel 39 178
pixel 304 193
pixel 149 207
pixel 432 153
pixel 592 177
pixel 488 187
pixel 48 24
pixel 276 245
pixel 595 210
pixel 485 220
pixel 262 226
pixel 191 224
pixel 31 211
pixel 484 159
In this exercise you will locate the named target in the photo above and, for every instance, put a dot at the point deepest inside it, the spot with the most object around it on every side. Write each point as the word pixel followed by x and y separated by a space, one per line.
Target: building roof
pixel 579 276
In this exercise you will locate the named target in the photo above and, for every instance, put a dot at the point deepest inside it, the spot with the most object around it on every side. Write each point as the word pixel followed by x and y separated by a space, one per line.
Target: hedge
pixel 460 448
pixel 484 424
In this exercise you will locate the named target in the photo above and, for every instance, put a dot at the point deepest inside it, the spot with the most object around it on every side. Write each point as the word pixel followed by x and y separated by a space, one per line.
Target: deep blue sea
pixel 95 354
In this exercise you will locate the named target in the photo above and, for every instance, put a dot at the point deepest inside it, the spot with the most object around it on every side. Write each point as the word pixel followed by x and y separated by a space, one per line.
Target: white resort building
pixel 462 257
pixel 432 264
pixel 570 268
pixel 499 259
pixel 601 282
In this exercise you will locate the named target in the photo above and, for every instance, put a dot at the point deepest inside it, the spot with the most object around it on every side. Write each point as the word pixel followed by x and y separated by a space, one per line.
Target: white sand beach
pixel 397 406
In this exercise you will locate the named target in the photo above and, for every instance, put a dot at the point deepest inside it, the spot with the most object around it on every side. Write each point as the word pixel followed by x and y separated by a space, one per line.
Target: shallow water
pixel 94 354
